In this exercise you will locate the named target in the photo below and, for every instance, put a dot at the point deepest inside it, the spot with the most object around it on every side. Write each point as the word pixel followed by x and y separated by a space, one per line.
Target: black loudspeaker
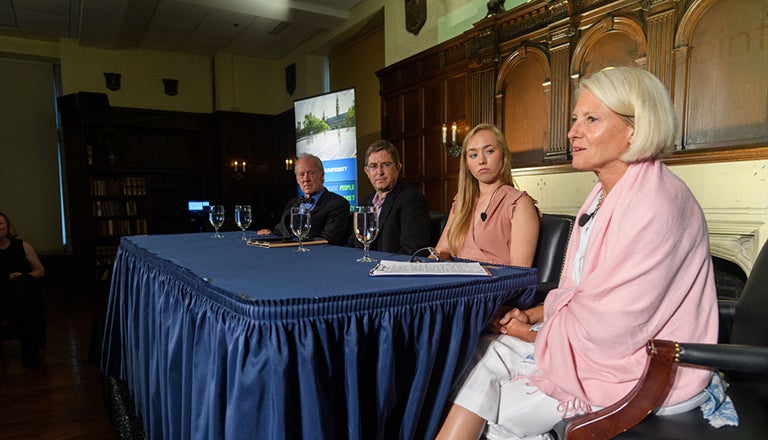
pixel 290 78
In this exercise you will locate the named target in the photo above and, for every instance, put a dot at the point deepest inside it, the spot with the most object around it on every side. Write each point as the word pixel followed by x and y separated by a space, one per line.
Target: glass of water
pixel 243 218
pixel 216 217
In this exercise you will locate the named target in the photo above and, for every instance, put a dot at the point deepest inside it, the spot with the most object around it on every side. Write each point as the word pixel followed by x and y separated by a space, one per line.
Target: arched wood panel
pixel 522 94
pixel 613 41
pixel 726 45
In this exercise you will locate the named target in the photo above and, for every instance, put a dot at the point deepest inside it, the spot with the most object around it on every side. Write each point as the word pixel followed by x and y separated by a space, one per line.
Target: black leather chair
pixel 554 235
pixel 745 364
pixel 437 221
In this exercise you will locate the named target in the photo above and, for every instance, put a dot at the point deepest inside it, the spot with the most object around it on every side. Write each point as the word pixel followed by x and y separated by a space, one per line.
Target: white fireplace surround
pixel 737 235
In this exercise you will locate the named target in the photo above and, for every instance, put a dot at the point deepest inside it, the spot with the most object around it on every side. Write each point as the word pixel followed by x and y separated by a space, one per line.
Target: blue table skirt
pixel 221 340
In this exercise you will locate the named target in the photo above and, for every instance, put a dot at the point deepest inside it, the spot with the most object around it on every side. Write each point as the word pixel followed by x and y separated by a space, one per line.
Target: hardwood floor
pixel 61 399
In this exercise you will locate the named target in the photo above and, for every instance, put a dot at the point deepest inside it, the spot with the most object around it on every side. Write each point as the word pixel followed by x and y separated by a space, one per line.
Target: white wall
pixel 733 196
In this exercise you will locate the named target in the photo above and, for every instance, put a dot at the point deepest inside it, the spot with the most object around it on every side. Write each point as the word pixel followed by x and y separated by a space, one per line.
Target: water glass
pixel 301 223
pixel 243 218
pixel 365 220
pixel 216 217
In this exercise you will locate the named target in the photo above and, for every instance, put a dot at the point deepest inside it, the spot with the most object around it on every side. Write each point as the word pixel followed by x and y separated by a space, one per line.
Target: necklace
pixel 483 215
pixel 585 218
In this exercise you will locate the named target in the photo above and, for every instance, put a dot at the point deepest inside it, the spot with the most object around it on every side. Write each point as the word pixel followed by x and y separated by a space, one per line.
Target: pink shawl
pixel 647 274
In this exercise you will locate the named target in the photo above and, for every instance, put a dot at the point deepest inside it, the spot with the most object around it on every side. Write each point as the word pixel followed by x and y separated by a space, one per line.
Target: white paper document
pixel 388 267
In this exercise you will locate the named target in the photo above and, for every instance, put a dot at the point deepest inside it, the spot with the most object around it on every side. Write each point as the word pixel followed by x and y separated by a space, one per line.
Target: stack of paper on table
pixel 388 267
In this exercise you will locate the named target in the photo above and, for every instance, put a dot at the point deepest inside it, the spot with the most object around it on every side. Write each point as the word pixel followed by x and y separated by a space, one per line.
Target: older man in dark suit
pixel 330 211
pixel 403 216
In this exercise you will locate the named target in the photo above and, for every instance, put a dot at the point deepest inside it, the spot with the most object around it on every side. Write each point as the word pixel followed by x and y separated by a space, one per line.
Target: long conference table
pixel 219 340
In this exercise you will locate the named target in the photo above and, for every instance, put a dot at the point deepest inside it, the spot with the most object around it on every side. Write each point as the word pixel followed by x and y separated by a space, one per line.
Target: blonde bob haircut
pixel 643 101
pixel 469 188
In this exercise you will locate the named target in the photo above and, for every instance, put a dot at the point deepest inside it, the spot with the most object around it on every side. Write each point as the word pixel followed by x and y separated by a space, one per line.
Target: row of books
pixel 108 208
pixel 127 186
pixel 118 228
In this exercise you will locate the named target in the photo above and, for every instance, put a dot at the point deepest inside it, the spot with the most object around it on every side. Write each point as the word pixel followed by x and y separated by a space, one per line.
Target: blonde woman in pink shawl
pixel 490 220
pixel 638 267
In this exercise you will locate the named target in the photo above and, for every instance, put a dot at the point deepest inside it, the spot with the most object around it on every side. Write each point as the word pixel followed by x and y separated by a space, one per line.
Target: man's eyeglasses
pixel 376 166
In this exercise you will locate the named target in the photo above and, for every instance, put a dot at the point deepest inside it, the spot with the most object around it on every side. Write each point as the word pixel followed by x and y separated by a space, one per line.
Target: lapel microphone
pixel 584 219
pixel 483 215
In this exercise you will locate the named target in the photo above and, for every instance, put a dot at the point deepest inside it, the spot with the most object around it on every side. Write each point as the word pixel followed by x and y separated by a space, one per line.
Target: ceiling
pixel 267 29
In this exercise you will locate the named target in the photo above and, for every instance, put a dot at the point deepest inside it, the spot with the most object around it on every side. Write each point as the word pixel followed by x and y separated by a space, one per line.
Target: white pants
pixel 497 389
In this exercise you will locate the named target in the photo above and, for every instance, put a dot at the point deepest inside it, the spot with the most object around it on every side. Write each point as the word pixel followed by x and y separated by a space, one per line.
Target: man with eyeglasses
pixel 330 211
pixel 403 216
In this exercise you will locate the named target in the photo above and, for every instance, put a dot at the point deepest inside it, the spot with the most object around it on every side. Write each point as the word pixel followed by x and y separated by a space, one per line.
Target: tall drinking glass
pixel 301 222
pixel 365 220
pixel 216 217
pixel 243 218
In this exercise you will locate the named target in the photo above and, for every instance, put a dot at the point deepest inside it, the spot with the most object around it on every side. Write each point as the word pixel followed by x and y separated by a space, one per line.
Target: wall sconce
pixel 171 86
pixel 113 80
pixel 453 149
pixel 288 164
pixel 238 169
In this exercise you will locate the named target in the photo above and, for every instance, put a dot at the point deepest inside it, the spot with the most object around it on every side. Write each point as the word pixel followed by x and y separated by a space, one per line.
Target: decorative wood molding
pixel 572 37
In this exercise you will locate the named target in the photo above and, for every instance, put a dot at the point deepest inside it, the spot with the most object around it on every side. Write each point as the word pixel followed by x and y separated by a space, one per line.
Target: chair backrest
pixel 750 323
pixel 437 222
pixel 554 234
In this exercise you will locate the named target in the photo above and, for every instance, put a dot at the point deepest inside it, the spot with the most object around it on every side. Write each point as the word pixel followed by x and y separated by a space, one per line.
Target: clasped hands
pixel 512 321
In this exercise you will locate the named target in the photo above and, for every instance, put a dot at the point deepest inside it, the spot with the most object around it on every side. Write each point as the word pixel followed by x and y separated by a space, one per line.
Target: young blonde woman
pixel 490 220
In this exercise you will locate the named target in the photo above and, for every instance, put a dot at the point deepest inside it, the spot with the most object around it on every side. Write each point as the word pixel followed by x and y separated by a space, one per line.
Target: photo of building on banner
pixel 325 127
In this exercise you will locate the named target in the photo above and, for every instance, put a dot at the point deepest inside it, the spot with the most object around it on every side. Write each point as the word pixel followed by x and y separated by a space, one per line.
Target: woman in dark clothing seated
pixel 21 305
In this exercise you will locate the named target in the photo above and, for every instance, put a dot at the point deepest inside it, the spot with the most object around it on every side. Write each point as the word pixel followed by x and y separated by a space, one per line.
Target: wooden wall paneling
pixel 613 41
pixel 680 82
pixel 482 94
pixel 412 154
pixel 661 37
pixel 526 104
pixel 693 46
pixel 559 91
pixel 434 158
pixel 392 115
pixel 412 134
pixel 412 111
pixel 728 52
pixel 456 102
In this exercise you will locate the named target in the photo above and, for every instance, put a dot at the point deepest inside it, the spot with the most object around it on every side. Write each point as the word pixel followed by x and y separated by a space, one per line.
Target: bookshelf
pixel 130 172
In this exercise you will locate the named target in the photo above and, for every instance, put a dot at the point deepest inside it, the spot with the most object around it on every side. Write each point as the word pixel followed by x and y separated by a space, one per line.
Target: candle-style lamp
pixel 453 149
pixel 238 169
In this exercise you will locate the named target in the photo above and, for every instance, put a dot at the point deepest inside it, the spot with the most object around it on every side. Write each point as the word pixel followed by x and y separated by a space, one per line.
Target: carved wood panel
pixel 525 104
pixel 727 53
pixel 521 67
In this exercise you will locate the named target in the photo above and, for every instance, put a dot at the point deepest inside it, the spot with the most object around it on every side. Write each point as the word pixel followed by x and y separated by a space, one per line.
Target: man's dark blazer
pixel 330 218
pixel 403 221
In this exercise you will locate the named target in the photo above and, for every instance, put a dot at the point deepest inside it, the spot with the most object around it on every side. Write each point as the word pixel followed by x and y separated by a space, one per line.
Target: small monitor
pixel 196 206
